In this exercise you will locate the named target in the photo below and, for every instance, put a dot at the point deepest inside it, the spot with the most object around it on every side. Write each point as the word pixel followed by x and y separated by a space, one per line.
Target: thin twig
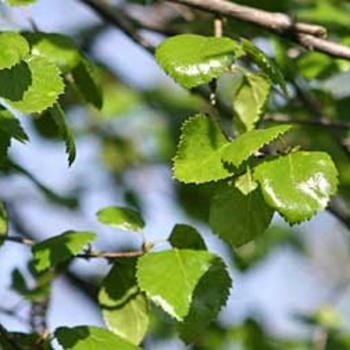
pixel 17 239
pixel 310 36
pixel 113 15
pixel 110 255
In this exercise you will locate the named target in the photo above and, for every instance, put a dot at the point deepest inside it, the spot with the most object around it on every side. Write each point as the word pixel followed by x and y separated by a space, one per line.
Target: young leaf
pixel 11 126
pixel 58 249
pixel 14 48
pixel 186 237
pixel 246 144
pixel 192 60
pixel 209 296
pixel 121 218
pixel 249 99
pixel 87 82
pixel 198 158
pixel 245 183
pixel 299 184
pixel 268 66
pixel 90 337
pixel 124 307
pixel 59 118
pixel 170 277
pixel 3 222
pixel 58 48
pixel 31 86
pixel 237 218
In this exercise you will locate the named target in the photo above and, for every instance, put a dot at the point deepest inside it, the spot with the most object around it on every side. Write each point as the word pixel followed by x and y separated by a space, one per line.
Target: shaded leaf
pixel 59 118
pixel 237 218
pixel 209 296
pixel 169 278
pixel 11 126
pixel 14 48
pixel 249 99
pixel 268 66
pixel 246 144
pixel 299 184
pixel 186 237
pixel 124 307
pixel 87 82
pixel 198 158
pixel 122 218
pixel 192 60
pixel 90 337
pixel 58 249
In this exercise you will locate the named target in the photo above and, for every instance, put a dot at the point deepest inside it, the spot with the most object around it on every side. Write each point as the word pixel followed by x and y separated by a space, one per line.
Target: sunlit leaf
pixel 246 144
pixel 245 183
pixel 31 86
pixel 122 218
pixel 89 338
pixel 124 307
pixel 299 184
pixel 14 48
pixel 239 218
pixel 20 2
pixel 55 250
pixel 198 158
pixel 3 222
pixel 169 278
pixel 58 48
pixel 192 60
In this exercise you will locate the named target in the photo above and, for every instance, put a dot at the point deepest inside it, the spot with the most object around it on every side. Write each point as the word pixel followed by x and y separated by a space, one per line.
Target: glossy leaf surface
pixel 299 184
pixel 192 60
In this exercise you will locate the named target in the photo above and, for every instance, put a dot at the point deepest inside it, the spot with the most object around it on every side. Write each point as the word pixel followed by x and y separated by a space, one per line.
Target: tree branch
pixel 309 36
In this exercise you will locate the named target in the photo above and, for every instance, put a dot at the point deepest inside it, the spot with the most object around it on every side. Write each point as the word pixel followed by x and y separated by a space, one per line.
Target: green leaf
pixel 268 66
pixel 58 249
pixel 3 222
pixel 121 218
pixel 169 278
pixel 87 82
pixel 249 99
pixel 209 296
pixel 20 2
pixel 11 126
pixel 245 183
pixel 89 338
pixel 299 184
pixel 237 218
pixel 59 118
pixel 31 86
pixel 57 48
pixel 186 237
pixel 14 48
pixel 124 307
pixel 198 158
pixel 192 60
pixel 246 144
